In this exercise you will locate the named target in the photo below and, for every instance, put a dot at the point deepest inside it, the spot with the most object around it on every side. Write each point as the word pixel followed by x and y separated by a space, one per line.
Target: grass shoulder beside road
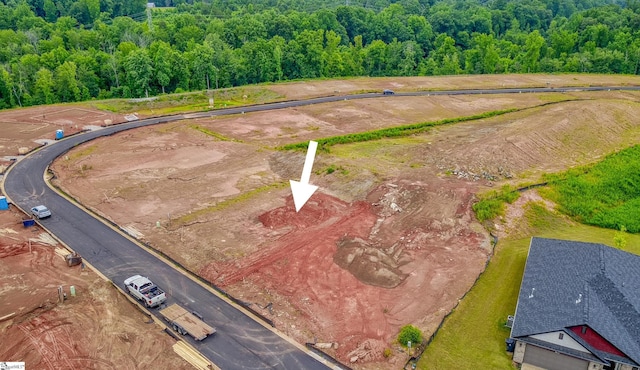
pixel 190 102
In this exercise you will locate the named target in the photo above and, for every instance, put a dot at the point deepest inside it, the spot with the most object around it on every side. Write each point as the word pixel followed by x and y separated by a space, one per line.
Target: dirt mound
pixel 542 139
pixel 9 250
pixel 321 208
pixel 312 231
pixel 90 331
pixel 371 265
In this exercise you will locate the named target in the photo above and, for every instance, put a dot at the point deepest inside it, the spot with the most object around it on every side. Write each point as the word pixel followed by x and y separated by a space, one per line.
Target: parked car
pixel 387 92
pixel 40 212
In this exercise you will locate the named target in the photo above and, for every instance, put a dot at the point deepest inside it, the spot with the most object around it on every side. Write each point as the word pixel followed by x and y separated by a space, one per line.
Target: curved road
pixel 240 342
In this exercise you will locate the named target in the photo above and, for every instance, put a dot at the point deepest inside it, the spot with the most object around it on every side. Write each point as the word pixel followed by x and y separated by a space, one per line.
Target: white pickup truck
pixel 144 290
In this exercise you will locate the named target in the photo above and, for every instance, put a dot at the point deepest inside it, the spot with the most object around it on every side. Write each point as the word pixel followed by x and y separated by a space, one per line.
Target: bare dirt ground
pixel 23 130
pixel 96 329
pixel 22 127
pixel 389 239
pixel 305 89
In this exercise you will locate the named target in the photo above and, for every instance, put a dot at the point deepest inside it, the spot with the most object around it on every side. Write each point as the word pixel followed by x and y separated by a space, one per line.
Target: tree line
pixel 71 50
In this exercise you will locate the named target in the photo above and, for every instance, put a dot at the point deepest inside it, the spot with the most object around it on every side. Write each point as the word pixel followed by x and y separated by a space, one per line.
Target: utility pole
pixel 217 71
pixel 149 18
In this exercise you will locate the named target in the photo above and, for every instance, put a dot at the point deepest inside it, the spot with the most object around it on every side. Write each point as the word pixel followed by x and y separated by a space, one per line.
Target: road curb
pixel 131 300
pixel 186 273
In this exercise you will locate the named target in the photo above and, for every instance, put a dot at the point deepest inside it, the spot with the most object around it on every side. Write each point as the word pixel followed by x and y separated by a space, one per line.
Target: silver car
pixel 40 212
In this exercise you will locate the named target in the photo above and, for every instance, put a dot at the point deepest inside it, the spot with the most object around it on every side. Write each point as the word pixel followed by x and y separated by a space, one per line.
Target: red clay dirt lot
pixel 390 237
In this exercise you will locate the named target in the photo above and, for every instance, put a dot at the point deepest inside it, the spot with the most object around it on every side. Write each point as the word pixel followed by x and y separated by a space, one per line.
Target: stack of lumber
pixel 62 252
pixel 192 356
pixel 187 321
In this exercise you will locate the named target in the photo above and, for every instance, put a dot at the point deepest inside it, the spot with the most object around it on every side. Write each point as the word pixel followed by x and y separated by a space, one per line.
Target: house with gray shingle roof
pixel 578 307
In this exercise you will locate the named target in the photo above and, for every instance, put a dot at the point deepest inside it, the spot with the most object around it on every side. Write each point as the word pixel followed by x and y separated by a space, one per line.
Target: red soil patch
pixel 344 268
pixel 313 232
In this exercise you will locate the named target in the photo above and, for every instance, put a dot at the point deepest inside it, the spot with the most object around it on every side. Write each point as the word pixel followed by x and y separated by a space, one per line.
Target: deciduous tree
pixel 200 61
pixel 66 83
pixel 43 91
pixel 139 72
pixel 163 57
pixel 6 90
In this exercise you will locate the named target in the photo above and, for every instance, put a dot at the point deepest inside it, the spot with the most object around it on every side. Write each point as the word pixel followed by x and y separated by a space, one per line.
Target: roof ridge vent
pixel 585 310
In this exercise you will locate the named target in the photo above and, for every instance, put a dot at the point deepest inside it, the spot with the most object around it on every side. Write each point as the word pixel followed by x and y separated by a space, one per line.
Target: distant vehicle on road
pixel 185 322
pixel 40 212
pixel 387 92
pixel 144 290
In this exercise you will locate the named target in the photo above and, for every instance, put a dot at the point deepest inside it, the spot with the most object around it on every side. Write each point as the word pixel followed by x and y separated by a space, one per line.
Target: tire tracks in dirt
pixel 300 237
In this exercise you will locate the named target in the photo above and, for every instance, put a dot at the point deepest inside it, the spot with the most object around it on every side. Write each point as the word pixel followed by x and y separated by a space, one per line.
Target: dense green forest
pixel 70 50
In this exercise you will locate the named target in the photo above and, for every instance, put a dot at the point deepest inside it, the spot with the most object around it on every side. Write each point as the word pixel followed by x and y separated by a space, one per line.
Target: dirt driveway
pixel 389 238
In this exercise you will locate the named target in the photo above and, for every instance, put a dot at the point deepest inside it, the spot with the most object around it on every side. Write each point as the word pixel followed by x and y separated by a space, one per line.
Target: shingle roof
pixel 568 283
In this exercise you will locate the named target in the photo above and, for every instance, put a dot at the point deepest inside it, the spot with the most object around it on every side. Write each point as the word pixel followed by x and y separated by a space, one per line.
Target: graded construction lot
pixel 388 239
pixel 96 329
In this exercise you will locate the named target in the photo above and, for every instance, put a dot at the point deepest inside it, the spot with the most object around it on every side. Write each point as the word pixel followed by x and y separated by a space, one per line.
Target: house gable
pixel 560 338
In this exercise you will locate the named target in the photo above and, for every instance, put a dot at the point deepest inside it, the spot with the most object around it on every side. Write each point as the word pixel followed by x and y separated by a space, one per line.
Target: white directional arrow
pixel 302 190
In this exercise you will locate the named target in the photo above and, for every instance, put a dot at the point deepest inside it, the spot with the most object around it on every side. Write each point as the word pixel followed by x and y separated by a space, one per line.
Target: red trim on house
pixel 596 340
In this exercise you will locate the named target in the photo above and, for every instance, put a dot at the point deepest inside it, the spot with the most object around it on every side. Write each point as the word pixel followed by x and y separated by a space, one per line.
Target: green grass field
pixel 189 102
pixel 606 194
pixel 473 336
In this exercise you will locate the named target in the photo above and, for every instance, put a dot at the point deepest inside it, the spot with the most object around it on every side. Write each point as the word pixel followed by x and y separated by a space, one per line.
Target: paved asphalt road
pixel 240 342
